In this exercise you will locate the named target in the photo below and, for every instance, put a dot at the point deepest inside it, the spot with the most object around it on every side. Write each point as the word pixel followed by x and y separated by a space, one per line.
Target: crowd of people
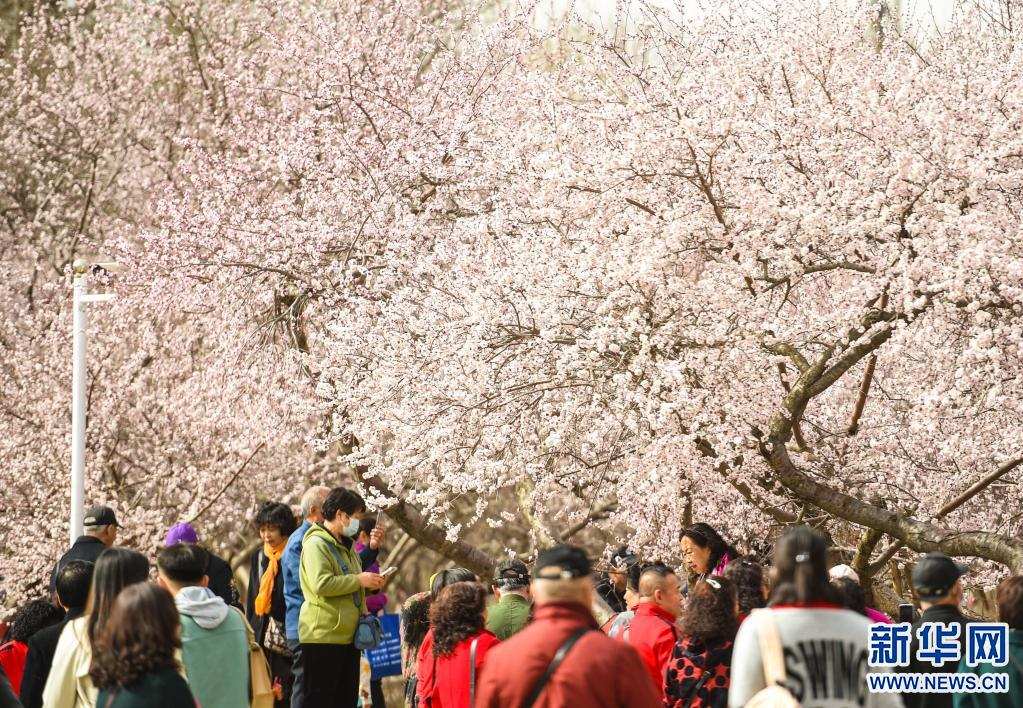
pixel 118 632
pixel 723 630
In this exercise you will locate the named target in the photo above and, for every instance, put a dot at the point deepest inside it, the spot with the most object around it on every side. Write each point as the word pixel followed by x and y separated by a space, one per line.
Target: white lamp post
pixel 79 323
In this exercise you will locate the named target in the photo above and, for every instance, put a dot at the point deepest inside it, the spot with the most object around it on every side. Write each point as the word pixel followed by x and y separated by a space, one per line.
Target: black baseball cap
pixel 623 559
pixel 935 574
pixel 571 560
pixel 100 516
pixel 512 573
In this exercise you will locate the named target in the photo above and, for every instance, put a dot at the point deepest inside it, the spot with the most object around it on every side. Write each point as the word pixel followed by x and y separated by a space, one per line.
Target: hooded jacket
pixel 214 648
pixel 334 600
pixel 826 650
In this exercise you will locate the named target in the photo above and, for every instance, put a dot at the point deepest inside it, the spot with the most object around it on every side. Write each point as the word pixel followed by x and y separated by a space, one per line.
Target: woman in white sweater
pixel 822 648
pixel 69 685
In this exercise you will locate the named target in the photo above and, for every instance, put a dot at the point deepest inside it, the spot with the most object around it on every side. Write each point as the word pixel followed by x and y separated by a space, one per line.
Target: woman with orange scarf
pixel 264 604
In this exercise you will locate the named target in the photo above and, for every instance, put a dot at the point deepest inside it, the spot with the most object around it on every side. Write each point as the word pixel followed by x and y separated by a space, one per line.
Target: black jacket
pixel 41 647
pixel 86 548
pixel 945 614
pixel 277 607
pixel 221 578
pixel 607 592
pixel 7 697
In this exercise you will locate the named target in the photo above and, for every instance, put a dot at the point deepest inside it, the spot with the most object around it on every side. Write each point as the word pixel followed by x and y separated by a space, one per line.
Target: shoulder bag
pixel 772 656
pixel 368 631
pixel 559 656
pixel 261 690
pixel 472 671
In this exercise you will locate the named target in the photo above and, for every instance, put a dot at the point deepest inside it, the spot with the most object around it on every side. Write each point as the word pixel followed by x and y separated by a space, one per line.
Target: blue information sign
pixel 386 658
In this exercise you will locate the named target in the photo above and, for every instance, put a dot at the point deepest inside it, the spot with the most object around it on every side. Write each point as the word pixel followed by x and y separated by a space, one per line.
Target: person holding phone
pixel 334 586
pixel 367 545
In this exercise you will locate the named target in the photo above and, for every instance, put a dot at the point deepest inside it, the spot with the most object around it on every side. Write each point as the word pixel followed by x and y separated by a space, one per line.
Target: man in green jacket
pixel 334 586
pixel 512 610
pixel 214 639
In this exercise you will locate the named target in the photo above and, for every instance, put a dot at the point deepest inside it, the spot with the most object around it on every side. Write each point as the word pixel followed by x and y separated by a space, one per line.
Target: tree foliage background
pixel 522 281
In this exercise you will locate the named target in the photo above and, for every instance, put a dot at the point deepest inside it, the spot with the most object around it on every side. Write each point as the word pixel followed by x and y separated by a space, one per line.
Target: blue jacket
pixel 293 597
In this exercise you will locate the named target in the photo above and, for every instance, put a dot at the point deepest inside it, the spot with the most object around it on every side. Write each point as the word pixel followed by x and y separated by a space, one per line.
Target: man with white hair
pixel 312 513
pixel 542 666
pixel 100 527
pixel 511 611
pixel 843 571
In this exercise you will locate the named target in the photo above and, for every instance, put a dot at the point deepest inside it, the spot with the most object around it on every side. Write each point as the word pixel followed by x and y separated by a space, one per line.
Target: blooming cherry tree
pixel 749 268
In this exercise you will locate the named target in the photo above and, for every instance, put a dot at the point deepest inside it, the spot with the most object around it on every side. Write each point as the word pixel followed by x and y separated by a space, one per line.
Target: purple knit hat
pixel 181 532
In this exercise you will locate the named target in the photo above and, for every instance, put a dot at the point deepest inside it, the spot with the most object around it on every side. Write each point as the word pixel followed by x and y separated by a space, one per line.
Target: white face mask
pixel 352 529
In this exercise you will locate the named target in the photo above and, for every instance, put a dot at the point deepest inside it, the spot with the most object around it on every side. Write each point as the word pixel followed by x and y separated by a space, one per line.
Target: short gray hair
pixel 313 499
pixel 557 590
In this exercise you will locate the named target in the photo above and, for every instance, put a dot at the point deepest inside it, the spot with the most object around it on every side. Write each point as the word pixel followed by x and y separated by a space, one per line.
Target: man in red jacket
pixel 596 671
pixel 653 631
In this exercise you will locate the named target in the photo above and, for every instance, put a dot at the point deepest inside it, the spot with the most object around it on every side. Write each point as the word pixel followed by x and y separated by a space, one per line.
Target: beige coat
pixel 69 685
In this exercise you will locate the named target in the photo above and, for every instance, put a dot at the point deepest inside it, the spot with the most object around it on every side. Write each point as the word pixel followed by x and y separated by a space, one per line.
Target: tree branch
pixel 231 481
pixel 868 377
pixel 598 514
pixel 920 536
pixel 427 534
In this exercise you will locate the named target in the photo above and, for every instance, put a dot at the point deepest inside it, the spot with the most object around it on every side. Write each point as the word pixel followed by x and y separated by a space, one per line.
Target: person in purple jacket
pixel 367 545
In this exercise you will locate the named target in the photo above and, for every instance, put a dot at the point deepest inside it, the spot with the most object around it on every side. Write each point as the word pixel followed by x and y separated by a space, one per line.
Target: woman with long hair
pixel 418 635
pixel 824 645
pixel 700 666
pixel 460 645
pixel 264 604
pixel 415 623
pixel 69 684
pixel 134 664
pixel 750 587
pixel 704 550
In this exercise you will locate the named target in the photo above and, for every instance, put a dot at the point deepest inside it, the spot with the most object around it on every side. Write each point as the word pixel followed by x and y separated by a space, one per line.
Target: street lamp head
pixel 81 266
pixel 108 267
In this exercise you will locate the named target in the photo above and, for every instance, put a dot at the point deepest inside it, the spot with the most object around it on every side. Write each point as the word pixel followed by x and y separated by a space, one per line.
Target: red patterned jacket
pixel 698 674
